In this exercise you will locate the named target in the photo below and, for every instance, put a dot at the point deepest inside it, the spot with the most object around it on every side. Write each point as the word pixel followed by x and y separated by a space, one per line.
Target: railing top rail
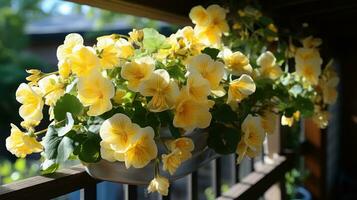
pixel 48 186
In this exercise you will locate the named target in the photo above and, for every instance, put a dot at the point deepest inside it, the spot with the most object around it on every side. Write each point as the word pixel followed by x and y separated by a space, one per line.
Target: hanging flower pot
pixel 149 109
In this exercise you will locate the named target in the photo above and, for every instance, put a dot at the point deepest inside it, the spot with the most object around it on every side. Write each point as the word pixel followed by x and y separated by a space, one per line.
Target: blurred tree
pixel 13 60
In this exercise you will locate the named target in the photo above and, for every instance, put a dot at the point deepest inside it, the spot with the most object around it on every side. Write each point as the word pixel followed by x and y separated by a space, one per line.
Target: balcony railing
pixel 252 186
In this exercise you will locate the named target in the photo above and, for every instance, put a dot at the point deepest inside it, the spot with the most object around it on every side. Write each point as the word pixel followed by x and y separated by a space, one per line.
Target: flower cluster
pixel 110 101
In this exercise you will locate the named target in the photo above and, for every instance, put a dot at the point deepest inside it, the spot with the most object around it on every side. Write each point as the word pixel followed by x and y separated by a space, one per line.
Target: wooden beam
pixel 48 186
pixel 138 9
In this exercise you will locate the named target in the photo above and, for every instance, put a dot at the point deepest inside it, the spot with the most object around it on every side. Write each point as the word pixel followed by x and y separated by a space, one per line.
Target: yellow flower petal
pixel 95 91
pixel 31 99
pixel 137 71
pixel 240 88
pixel 268 66
pixel 269 120
pixel 171 161
pixel 197 86
pixel 308 64
pixel 185 145
pixel 83 60
pixel 191 114
pixel 20 144
pixel 108 52
pixel 159 184
pixel 237 63
pixel 199 16
pixel 52 88
pixel 107 153
pixel 65 50
pixel 143 150
pixel 254 133
pixel 209 69
pixel 118 131
pixel 162 90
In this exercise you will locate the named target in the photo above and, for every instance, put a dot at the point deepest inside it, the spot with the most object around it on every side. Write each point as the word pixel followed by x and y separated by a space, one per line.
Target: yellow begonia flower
pixel 162 90
pixel 118 131
pixel 308 64
pixel 171 161
pixel 190 39
pixel 191 114
pixel 108 52
pixel 289 121
pixel 328 84
pixel 240 88
pixel 83 60
pixel 137 71
pixel 159 184
pixel 51 88
pixel 142 150
pixel 136 35
pixel 211 70
pixel 253 131
pixel 311 42
pixel 199 16
pixel 65 50
pixel 20 144
pixel 268 66
pixel 252 140
pixel 125 141
pixel 210 33
pixel 185 145
pixel 95 91
pixel 197 87
pixel 109 154
pixel 269 120
pixel 244 150
pixel 237 63
pixel 32 104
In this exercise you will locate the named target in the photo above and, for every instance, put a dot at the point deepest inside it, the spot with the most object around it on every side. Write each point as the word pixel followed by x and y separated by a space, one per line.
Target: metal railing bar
pixel 192 186
pixel 130 192
pixel 216 176
pixel 90 192
pixel 48 186
pixel 234 169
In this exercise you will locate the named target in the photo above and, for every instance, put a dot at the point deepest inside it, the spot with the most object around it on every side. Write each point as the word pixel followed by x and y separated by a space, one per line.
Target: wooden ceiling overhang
pixel 332 15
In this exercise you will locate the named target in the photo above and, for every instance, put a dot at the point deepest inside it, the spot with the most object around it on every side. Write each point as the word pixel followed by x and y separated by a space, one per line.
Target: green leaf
pixel 305 106
pixel 90 149
pixel 223 139
pixel 295 90
pixel 57 148
pixel 212 52
pixel 153 40
pixel 94 124
pixel 67 103
pixel 224 113
pixel 68 125
pixel 51 142
pixel 64 150
pixel 49 166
